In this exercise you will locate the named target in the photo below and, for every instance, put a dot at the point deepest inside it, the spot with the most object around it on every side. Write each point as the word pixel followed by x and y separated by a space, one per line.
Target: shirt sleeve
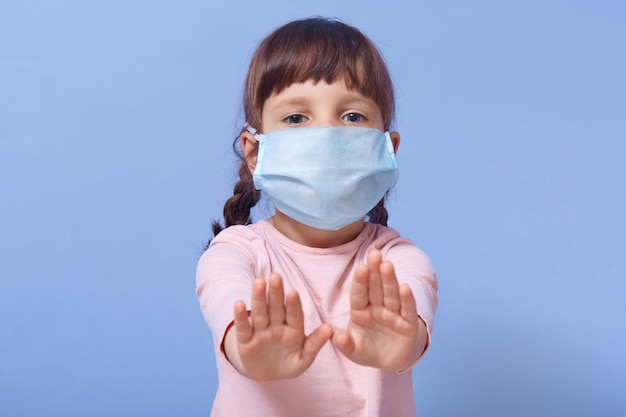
pixel 224 275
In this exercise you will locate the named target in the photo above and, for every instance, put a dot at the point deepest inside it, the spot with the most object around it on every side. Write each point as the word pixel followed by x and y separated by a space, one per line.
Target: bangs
pixel 318 49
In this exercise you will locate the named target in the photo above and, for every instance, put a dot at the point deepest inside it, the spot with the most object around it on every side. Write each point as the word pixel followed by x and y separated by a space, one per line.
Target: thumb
pixel 315 341
pixel 344 342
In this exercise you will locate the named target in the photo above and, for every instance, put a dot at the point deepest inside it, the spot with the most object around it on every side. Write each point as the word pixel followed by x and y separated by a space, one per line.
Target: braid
pixel 245 196
pixel 378 214
pixel 237 208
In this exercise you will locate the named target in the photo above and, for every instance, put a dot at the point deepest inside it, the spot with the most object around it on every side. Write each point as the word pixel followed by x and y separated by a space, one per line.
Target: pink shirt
pixel 333 385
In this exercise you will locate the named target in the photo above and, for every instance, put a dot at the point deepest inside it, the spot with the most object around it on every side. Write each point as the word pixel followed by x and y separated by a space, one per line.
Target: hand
pixel 384 325
pixel 270 342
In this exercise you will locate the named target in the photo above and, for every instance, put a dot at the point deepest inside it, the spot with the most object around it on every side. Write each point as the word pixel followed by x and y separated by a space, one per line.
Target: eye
pixel 295 119
pixel 354 117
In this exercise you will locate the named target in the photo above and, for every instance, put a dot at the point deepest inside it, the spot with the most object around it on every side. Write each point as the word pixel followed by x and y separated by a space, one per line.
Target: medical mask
pixel 325 177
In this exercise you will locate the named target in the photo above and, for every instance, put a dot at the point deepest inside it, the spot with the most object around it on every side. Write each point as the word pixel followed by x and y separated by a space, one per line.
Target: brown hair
pixel 308 49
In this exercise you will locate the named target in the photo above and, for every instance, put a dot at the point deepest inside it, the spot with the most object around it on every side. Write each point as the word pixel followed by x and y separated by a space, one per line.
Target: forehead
pixel 311 90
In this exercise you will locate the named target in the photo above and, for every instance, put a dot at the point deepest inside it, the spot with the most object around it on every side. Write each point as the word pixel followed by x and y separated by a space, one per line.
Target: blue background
pixel 116 120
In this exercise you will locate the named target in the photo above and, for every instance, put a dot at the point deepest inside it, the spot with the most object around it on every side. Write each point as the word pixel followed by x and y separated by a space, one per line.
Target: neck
pixel 312 237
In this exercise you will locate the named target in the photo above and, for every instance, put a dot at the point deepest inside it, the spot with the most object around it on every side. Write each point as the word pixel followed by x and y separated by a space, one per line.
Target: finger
pixel 276 299
pixel 294 316
pixel 408 309
pixel 258 306
pixel 359 293
pixel 391 296
pixel 315 341
pixel 343 342
pixel 375 286
pixel 243 330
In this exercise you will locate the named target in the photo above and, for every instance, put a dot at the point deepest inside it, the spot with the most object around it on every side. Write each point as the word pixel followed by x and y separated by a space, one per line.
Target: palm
pixel 271 342
pixel 383 322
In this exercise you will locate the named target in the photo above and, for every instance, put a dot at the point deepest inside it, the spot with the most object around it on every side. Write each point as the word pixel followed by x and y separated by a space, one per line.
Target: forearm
pixel 419 346
pixel 229 347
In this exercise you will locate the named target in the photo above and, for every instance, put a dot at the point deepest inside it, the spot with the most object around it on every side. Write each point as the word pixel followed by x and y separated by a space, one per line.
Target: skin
pixel 267 341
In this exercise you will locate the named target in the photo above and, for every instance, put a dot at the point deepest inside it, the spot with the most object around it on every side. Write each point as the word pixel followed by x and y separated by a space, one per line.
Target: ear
pixel 249 147
pixel 395 140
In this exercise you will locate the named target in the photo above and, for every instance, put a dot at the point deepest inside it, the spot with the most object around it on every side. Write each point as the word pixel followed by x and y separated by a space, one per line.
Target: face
pixel 311 104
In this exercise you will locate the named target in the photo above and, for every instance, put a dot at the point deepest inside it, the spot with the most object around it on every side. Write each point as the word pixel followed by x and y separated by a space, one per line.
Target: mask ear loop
pixel 249 128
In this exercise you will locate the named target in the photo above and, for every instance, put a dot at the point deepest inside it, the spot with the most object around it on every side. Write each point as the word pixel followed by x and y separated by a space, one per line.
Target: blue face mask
pixel 325 177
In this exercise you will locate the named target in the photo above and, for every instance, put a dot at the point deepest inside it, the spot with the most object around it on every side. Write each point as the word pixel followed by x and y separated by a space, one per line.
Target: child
pixel 340 308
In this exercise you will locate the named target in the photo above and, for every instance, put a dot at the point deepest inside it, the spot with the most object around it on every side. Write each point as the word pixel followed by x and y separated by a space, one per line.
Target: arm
pixel 268 342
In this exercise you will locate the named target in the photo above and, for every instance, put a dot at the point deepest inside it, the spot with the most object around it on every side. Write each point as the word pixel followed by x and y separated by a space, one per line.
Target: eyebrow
pixel 292 101
pixel 360 100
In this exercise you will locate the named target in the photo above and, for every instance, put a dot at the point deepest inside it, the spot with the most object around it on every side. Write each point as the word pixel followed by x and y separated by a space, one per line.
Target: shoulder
pixel 238 243
pixel 238 233
pixel 385 238
pixel 233 258
pixel 239 236
pixel 399 250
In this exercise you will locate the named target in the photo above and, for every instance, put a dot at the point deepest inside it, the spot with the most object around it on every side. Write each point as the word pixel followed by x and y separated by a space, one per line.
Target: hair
pixel 308 49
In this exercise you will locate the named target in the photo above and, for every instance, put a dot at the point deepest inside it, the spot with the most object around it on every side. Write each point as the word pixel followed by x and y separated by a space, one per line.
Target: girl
pixel 340 308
